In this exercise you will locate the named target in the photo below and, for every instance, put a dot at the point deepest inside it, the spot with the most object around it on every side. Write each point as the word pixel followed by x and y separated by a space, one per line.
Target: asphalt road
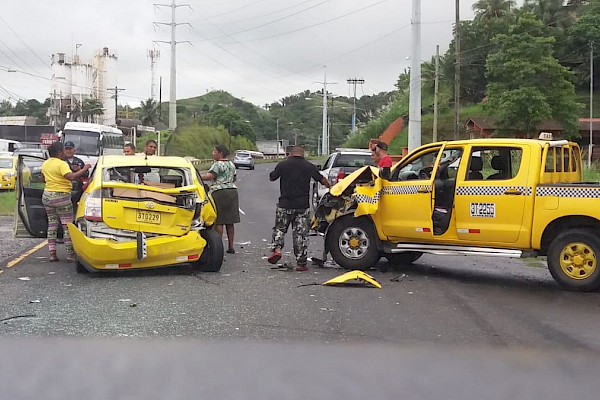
pixel 478 307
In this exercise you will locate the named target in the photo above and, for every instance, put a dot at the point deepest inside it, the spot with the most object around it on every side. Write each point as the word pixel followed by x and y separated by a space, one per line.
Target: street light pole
pixel 277 155
pixel 229 147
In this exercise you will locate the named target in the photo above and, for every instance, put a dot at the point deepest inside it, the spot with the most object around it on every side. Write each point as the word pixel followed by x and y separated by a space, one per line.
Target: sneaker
pixel 301 268
pixel 273 258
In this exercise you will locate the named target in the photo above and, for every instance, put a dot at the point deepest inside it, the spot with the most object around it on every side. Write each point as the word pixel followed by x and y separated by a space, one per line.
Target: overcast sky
pixel 258 50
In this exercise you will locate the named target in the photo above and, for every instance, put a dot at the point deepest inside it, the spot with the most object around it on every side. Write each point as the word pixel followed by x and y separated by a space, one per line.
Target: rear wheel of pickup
pixel 212 256
pixel 353 243
pixel 573 259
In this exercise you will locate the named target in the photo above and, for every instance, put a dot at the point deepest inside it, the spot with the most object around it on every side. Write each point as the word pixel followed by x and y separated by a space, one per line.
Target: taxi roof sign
pixel 546 136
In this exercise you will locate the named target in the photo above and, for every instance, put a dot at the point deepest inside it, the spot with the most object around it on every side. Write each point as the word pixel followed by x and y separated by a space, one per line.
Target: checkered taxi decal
pixel 492 190
pixel 395 190
pixel 363 198
pixel 568 191
pixel 542 191
pixel 391 190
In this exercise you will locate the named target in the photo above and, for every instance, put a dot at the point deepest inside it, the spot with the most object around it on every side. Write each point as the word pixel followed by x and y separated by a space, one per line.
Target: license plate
pixel 483 210
pixel 150 217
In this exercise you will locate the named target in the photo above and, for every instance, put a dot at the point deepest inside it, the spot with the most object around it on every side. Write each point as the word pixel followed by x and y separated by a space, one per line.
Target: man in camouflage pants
pixel 295 174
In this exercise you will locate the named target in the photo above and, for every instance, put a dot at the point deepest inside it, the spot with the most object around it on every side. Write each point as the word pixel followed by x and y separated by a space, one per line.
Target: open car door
pixel 30 215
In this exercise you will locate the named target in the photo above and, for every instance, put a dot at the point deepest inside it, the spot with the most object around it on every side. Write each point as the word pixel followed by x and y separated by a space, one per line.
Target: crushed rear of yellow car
pixel 140 212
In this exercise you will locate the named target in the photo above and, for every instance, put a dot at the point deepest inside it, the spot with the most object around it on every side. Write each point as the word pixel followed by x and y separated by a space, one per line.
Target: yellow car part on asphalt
pixel 348 277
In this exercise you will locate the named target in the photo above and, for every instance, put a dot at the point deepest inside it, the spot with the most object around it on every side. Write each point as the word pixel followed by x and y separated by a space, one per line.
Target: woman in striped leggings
pixel 57 197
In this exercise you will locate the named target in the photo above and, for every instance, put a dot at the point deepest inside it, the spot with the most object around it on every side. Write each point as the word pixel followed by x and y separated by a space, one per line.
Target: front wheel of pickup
pixel 573 259
pixel 353 243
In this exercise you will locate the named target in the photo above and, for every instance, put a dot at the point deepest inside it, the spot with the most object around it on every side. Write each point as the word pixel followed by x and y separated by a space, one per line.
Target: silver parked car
pixel 243 159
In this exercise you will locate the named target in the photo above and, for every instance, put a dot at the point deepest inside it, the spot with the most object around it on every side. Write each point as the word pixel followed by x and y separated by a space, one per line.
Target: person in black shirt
pixel 76 164
pixel 295 174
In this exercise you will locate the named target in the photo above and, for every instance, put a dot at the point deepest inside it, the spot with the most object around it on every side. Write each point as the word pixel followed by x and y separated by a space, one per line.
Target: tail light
pixel 93 206
pixel 336 175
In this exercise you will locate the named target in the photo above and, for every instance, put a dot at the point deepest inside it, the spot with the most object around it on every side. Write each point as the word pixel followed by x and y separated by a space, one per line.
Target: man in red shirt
pixel 380 156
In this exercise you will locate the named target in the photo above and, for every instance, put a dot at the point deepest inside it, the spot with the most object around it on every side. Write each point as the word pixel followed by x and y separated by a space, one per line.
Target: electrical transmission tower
pixel 354 81
pixel 173 43
pixel 153 55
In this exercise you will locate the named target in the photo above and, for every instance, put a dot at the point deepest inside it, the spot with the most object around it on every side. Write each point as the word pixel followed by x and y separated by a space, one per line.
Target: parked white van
pixel 7 146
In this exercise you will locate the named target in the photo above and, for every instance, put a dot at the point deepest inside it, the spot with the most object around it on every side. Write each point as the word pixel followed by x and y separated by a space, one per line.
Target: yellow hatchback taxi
pixel 137 212
pixel 8 172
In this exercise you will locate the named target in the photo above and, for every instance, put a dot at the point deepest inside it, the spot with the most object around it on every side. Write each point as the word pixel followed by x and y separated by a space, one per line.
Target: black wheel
pixel 407 257
pixel 353 243
pixel 212 256
pixel 573 259
pixel 80 269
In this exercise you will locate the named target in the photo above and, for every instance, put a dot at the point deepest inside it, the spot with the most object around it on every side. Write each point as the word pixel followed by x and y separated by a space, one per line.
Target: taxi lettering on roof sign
pixel 491 197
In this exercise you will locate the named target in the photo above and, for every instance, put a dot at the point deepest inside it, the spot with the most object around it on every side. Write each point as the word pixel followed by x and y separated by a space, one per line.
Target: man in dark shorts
pixel 295 174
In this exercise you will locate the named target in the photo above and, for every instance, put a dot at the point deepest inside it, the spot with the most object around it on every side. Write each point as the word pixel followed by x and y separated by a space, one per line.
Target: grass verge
pixel 7 202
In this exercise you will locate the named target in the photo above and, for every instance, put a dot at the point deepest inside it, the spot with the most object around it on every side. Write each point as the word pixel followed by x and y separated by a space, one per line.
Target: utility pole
pixel 277 156
pixel 173 43
pixel 325 140
pixel 160 99
pixel 436 93
pixel 354 81
pixel 414 113
pixel 116 96
pixel 457 73
pixel 591 103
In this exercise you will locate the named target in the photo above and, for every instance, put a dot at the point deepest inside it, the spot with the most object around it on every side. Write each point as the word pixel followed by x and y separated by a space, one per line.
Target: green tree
pixel 583 33
pixel 6 108
pixel 91 108
pixel 492 9
pixel 149 112
pixel 526 84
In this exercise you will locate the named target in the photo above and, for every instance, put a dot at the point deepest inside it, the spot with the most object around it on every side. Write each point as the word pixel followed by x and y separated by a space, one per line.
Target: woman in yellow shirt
pixel 57 197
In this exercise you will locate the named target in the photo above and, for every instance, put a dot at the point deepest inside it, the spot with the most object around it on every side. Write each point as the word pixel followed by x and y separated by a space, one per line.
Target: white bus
pixel 93 140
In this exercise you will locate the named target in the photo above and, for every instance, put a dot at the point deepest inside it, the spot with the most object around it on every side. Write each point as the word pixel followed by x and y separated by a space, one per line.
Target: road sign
pixel 142 128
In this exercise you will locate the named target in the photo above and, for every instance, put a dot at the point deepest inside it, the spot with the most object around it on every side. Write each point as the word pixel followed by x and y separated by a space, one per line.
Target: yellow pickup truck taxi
pixel 498 197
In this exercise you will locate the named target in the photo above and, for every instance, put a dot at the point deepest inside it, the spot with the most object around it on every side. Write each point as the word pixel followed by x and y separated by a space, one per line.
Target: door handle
pixel 513 192
pixel 423 190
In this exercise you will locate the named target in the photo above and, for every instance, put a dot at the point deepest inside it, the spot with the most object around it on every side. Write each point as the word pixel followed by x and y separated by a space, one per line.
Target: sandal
pixel 53 258
pixel 70 259
pixel 231 251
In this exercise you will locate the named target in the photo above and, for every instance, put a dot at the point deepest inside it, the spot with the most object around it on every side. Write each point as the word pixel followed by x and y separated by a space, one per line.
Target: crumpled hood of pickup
pixel 365 173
